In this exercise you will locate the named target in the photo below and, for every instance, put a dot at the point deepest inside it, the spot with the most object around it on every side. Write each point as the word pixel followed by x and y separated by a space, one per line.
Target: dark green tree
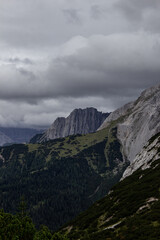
pixel 43 234
pixel 22 207
pixel 58 236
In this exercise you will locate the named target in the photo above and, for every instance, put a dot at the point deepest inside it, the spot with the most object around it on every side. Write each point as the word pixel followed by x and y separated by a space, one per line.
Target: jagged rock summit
pixel 137 121
pixel 80 121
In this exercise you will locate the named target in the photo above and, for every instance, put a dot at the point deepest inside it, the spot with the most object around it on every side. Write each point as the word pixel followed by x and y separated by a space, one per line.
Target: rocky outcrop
pixel 138 122
pixel 143 160
pixel 80 121
pixel 120 112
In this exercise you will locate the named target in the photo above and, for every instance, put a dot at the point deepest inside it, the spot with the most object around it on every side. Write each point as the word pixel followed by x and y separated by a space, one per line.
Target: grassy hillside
pixel 130 211
pixel 62 177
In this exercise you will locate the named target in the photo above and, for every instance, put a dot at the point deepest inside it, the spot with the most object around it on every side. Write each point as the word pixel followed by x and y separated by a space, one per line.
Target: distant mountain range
pixel 62 177
pixel 9 135
pixel 4 139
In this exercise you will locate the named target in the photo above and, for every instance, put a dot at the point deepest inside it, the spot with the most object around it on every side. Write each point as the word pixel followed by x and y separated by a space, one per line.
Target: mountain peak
pixel 149 92
pixel 80 121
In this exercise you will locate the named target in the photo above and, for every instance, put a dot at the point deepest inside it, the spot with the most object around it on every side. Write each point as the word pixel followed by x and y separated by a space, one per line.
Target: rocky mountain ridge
pixel 140 121
pixel 80 121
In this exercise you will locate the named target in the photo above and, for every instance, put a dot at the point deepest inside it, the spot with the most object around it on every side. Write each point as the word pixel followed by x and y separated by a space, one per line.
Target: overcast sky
pixel 57 55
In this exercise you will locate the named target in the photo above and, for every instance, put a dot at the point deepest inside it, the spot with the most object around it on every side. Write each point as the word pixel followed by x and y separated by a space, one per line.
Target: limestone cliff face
pixel 140 120
pixel 80 121
pixel 143 160
pixel 120 112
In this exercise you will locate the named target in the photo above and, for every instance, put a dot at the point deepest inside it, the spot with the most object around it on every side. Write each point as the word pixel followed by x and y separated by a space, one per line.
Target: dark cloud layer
pixel 143 14
pixel 106 65
pixel 60 55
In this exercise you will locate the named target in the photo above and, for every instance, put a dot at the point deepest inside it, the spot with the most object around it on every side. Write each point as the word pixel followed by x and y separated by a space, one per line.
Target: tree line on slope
pixel 21 227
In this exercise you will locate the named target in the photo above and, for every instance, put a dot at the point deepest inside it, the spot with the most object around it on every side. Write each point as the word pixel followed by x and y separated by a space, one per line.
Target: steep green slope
pixel 62 177
pixel 130 211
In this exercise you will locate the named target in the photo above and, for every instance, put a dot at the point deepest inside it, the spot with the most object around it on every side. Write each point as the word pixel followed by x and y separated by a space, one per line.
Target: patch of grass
pixel 33 147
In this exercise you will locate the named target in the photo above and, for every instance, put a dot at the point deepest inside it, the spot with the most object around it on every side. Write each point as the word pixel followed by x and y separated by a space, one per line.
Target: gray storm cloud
pixel 63 54
pixel 106 65
pixel 143 14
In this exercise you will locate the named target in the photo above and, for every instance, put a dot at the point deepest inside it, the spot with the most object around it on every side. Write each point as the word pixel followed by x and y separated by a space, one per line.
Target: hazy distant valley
pixel 12 135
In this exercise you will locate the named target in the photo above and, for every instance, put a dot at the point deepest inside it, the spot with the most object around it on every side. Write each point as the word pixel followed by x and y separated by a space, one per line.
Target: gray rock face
pixel 141 121
pixel 117 114
pixel 145 158
pixel 80 121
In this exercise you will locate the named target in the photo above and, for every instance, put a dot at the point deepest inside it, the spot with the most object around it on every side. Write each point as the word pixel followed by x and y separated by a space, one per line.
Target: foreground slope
pixel 60 178
pixel 130 211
